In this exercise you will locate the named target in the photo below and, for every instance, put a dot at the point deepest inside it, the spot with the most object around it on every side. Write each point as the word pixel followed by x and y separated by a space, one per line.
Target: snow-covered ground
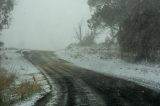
pixel 143 73
pixel 14 62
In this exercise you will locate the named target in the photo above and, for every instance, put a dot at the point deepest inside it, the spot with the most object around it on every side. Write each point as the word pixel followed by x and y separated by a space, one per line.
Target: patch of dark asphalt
pixel 65 83
pixel 60 80
pixel 118 91
pixel 86 95
pixel 72 92
pixel 44 100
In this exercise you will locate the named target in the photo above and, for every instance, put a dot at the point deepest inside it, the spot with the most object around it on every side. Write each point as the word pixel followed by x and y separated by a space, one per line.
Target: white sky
pixel 45 24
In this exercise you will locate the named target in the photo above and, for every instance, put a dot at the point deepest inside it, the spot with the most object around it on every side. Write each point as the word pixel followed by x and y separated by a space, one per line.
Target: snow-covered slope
pixel 90 58
pixel 14 62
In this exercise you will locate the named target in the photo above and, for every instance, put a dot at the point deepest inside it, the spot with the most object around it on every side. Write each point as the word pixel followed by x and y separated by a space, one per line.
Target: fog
pixel 45 24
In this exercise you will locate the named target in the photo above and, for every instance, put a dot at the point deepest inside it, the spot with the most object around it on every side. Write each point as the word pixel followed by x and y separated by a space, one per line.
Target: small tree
pixel 79 32
pixel 1 44
pixel 1 55
pixel 6 6
pixel 89 38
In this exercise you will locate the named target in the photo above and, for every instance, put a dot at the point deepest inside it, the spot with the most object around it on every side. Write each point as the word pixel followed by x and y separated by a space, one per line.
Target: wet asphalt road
pixel 75 86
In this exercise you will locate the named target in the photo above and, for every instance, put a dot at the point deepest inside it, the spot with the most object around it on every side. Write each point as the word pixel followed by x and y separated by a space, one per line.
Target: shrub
pixel 27 88
pixel 88 40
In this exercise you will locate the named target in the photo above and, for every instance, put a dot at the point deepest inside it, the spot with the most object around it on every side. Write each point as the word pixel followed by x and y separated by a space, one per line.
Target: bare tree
pixel 78 32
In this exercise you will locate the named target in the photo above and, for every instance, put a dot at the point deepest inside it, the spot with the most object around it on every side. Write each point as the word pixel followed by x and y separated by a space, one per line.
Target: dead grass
pixel 27 89
pixel 6 79
pixel 22 91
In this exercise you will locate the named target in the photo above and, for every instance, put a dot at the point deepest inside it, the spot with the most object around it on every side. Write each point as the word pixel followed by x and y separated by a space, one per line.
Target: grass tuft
pixel 6 79
pixel 27 89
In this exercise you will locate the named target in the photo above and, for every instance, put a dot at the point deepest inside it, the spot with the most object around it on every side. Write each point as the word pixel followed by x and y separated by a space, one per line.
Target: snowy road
pixel 75 86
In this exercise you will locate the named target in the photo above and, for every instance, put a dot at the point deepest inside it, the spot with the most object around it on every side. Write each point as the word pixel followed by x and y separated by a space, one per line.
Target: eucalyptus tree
pixel 137 23
pixel 6 6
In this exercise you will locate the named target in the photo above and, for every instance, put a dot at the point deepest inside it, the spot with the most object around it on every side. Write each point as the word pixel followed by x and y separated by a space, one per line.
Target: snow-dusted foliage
pixel 14 62
pixel 92 58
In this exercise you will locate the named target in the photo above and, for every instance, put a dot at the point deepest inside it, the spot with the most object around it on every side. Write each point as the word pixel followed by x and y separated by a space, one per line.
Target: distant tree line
pixel 134 23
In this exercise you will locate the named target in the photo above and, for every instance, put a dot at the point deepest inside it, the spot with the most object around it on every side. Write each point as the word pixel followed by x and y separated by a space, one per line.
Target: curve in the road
pixel 80 87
